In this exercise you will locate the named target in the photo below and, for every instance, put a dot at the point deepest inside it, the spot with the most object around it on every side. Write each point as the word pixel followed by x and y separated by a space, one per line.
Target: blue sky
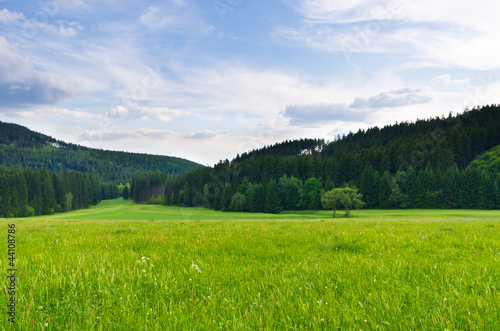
pixel 207 79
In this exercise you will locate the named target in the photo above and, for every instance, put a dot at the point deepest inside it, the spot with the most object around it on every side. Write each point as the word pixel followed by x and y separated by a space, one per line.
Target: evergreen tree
pixel 451 188
pixel 385 190
pixel 312 189
pixel 226 198
pixel 273 199
pixel 369 186
pixel 470 181
pixel 487 192
pixel 125 192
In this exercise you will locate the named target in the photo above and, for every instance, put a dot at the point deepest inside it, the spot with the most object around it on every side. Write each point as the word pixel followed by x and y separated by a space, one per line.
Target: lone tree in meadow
pixel 348 197
pixel 331 199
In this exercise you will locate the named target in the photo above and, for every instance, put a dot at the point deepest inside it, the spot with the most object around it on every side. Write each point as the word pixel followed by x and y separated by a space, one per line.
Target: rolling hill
pixel 24 148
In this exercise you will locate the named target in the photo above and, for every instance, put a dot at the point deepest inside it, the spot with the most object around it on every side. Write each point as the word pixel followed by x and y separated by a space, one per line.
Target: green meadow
pixel 121 266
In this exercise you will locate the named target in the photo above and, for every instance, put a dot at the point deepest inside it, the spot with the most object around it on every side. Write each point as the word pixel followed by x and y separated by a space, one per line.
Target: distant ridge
pixel 24 148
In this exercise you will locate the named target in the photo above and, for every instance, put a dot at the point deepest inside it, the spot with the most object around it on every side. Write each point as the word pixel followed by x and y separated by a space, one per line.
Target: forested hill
pixel 21 147
pixel 463 137
pixel 286 148
pixel 421 164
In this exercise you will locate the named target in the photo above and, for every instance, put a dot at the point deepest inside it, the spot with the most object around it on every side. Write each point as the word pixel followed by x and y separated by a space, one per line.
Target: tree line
pixel 424 164
pixel 24 192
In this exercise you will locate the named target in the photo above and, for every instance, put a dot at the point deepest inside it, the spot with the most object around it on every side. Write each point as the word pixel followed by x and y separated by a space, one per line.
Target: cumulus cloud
pixel 117 112
pixel 21 84
pixel 69 29
pixel 8 17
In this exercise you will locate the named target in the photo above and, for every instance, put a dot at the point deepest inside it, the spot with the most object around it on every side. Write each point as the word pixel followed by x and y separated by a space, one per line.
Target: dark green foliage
pixel 369 186
pixel 489 161
pixel 125 193
pixel 273 198
pixel 110 191
pixel 25 193
pixel 147 185
pixel 256 198
pixel 226 198
pixel 292 193
pixel 21 147
pixel 348 197
pixel 470 181
pixel 423 164
pixel 312 191
pixel 238 202
pixel 385 190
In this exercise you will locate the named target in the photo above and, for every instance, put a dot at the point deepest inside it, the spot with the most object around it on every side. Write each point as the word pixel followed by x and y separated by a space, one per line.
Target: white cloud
pixel 154 18
pixel 63 28
pixel 175 17
pixel 202 135
pixel 21 84
pixel 446 80
pixel 361 110
pixel 162 114
pixel 69 29
pixel 445 33
pixel 155 114
pixel 125 136
pixel 8 17
pixel 320 114
pixel 480 14
pixel 117 112
pixel 56 113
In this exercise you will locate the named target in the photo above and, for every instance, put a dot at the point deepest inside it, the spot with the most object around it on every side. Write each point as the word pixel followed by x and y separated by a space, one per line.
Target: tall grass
pixel 261 274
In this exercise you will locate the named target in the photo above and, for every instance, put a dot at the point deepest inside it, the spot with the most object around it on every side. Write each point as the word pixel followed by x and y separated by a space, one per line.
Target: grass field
pixel 120 266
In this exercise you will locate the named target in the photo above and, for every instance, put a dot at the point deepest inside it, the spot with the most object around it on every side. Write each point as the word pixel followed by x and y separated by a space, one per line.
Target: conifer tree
pixel 273 199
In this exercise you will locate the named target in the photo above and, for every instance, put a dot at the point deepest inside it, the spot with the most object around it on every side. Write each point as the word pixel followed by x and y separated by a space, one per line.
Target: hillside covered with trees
pixel 23 148
pixel 421 164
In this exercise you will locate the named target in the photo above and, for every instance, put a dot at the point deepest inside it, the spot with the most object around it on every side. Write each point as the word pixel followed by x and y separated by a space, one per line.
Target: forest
pixel 24 192
pixel 21 147
pixel 443 162
pixel 422 164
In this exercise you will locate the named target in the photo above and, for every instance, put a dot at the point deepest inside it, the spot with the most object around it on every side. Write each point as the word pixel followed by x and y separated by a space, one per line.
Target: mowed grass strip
pixel 267 274
pixel 120 209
